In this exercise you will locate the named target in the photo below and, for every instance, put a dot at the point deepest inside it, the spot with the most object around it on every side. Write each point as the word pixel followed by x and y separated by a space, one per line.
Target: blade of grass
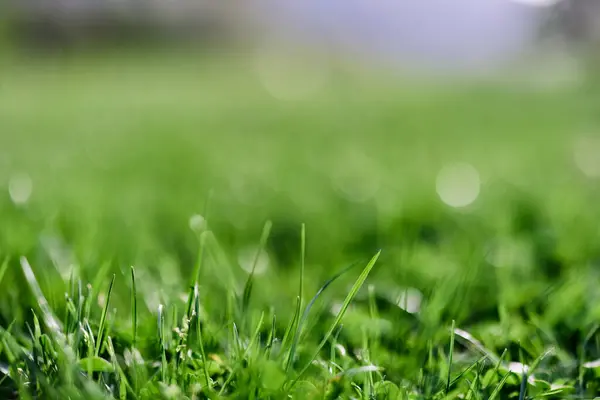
pixel 102 326
pixel 271 337
pixel 250 281
pixel 3 268
pixel 133 308
pixel 199 336
pixel 357 285
pixel 50 320
pixel 450 354
pixel 292 326
pixel 302 262
pixel 474 343
pixel 582 355
pixel 496 368
pixel 498 388
pixel 523 388
pixel 467 370
pixel 307 310
pixel 161 338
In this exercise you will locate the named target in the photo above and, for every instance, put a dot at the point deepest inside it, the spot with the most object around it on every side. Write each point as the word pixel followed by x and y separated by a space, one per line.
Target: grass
pixel 152 177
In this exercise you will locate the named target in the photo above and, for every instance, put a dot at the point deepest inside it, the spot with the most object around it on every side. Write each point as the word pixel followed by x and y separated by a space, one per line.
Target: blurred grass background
pixel 122 150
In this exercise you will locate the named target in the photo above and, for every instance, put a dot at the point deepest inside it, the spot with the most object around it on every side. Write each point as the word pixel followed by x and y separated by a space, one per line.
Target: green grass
pixel 153 177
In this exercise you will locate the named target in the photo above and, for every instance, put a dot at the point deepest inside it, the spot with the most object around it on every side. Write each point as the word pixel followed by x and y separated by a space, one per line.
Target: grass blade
pixel 249 283
pixel 102 325
pixel 48 316
pixel 498 388
pixel 355 288
pixel 133 308
pixel 496 368
pixel 292 326
pixel 450 354
pixel 302 262
pixel 467 370
pixel 307 310
pixel 199 336
pixel 271 338
pixel 161 338
pixel 3 268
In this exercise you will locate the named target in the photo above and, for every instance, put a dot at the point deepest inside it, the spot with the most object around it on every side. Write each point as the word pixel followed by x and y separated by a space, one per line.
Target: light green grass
pixel 122 152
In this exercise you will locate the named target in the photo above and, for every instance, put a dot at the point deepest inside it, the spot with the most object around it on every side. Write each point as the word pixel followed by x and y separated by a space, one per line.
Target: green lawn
pixel 107 164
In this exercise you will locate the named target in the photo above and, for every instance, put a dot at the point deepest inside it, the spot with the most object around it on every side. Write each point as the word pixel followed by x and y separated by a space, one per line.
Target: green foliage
pixel 497 300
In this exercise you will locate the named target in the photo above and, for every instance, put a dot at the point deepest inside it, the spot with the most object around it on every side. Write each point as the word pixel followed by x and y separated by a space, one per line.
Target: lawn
pixel 171 230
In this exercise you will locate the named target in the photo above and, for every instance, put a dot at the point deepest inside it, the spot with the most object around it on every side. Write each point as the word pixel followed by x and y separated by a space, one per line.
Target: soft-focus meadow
pixel 139 192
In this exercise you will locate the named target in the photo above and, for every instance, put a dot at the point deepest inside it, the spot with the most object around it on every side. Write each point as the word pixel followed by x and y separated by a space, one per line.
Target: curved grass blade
pixel 271 337
pixel 475 344
pixel 48 316
pixel 199 335
pixel 498 388
pixel 161 338
pixel 307 310
pixel 302 262
pixel 292 326
pixel 133 308
pixel 496 368
pixel 102 325
pixel 468 369
pixel 355 288
pixel 355 371
pixel 450 354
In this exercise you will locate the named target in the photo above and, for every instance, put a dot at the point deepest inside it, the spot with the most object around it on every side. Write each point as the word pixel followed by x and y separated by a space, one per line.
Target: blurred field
pixel 120 152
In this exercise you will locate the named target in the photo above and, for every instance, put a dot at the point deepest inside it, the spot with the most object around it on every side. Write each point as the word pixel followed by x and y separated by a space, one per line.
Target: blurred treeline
pixel 81 22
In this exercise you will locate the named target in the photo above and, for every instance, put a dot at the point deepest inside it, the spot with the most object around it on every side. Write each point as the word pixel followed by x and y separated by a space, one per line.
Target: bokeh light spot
pixel 20 188
pixel 458 184
pixel 586 153
pixel 247 257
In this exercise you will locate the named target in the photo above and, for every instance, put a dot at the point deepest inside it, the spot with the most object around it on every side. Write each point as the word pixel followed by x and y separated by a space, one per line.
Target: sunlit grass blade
pixel 351 372
pixel 582 356
pixel 162 340
pixel 3 268
pixel 102 326
pixel 48 316
pixel 133 308
pixel 523 388
pixel 309 306
pixel 340 315
pixel 450 355
pixel 199 337
pixel 302 262
pixel 499 387
pixel 496 368
pixel 470 341
pixel 250 281
pixel 292 326
pixel 467 370
pixel 271 337
pixel 473 388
